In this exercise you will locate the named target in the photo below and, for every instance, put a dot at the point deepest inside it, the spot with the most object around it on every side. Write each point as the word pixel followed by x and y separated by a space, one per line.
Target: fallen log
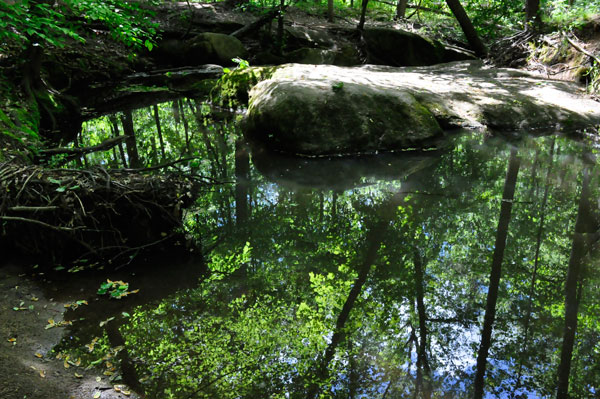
pixel 103 146
pixel 254 26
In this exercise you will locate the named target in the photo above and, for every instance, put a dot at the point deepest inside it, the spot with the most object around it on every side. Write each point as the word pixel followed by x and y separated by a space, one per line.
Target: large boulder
pixel 395 47
pixel 324 109
pixel 385 46
pixel 217 48
pixel 205 48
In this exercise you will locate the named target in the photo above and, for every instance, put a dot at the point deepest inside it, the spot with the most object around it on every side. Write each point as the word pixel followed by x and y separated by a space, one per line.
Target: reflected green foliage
pixel 272 318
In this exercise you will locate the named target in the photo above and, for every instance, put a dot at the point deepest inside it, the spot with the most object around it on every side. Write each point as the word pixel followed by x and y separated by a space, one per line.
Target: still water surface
pixel 382 277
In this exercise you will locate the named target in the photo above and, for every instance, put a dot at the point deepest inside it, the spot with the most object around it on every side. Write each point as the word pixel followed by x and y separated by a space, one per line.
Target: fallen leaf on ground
pixel 38 354
pixel 42 374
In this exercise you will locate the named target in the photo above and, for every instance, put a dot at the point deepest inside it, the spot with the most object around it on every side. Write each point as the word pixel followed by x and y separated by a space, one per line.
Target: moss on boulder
pixel 324 109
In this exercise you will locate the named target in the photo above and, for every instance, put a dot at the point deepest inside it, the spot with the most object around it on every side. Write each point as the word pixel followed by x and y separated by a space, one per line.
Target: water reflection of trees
pixel 379 291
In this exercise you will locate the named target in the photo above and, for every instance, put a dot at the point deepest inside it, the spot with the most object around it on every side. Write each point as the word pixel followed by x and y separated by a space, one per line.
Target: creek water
pixel 386 276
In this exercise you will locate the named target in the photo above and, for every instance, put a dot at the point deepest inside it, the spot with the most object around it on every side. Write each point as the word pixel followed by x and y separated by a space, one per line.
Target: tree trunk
pixel 401 9
pixel 363 15
pixel 492 297
pixel 330 10
pixel 159 131
pixel 573 285
pixel 132 152
pixel 279 45
pixel 467 27
pixel 532 9
pixel 115 128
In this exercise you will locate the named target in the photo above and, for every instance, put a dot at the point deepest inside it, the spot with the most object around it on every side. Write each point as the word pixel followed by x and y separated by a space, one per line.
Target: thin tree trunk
pixel 159 132
pixel 492 297
pixel 321 207
pixel 334 198
pixel 79 160
pixel 186 126
pixel 115 129
pixel 330 10
pixel 401 9
pixel 374 238
pixel 132 152
pixel 467 27
pixel 423 369
pixel 532 9
pixel 279 46
pixel 574 277
pixel 363 15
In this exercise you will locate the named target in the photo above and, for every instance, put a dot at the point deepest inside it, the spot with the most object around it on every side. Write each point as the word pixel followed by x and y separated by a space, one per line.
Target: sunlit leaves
pixel 29 22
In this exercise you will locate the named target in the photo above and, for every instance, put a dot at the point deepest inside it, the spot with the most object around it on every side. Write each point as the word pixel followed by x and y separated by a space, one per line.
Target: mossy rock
pixel 326 117
pixel 330 110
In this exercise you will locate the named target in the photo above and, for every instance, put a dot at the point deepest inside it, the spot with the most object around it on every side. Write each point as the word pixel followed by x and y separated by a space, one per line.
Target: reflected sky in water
pixel 369 278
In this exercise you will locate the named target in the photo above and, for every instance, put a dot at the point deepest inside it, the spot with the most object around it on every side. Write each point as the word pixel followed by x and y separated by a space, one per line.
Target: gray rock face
pixel 217 48
pixel 323 109
pixel 205 48
pixel 400 48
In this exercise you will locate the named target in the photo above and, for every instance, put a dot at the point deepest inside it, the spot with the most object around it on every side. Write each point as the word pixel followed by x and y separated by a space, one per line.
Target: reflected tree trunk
pixel 374 240
pixel 128 371
pixel 492 297
pixel 176 115
pixel 186 126
pixel 210 149
pixel 115 128
pixel 242 170
pixel 574 285
pixel 423 369
pixel 353 380
pixel 79 160
pixel 321 207
pixel 334 198
pixel 159 131
pixel 536 260
pixel 132 152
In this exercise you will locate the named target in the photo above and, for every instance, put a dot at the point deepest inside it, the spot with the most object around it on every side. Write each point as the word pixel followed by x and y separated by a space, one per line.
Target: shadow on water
pixel 356 278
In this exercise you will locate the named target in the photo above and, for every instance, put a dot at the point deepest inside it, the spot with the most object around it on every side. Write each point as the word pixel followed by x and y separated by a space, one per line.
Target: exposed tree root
pixel 97 214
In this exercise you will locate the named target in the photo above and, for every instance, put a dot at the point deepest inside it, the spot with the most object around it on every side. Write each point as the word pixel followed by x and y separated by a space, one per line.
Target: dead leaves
pixel 52 324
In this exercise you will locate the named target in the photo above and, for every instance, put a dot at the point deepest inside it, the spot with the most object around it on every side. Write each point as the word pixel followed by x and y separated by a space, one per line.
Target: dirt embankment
pixel 28 367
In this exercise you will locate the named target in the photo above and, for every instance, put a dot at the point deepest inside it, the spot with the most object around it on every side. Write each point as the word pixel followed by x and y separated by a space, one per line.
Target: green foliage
pixel 31 22
pixel 115 289
pixel 570 16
